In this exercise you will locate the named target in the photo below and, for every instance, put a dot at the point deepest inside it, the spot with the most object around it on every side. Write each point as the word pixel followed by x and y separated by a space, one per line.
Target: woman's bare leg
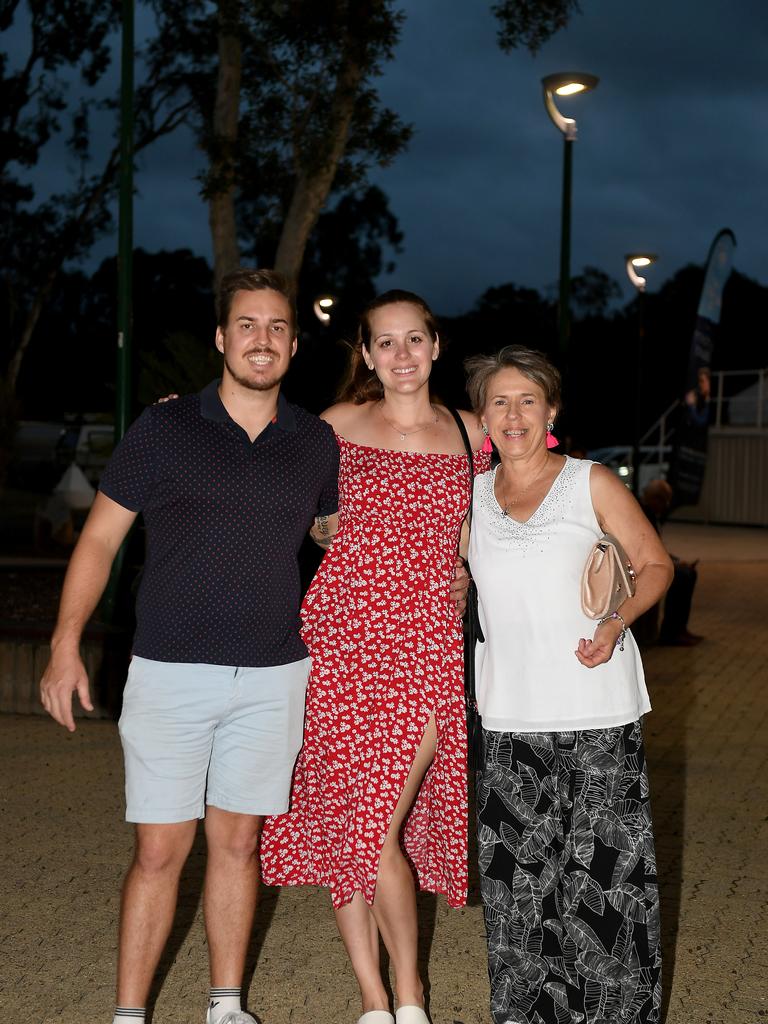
pixel 394 905
pixel 358 930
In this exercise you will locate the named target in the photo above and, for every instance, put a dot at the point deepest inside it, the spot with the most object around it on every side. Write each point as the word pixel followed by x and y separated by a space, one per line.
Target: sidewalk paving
pixel 66 847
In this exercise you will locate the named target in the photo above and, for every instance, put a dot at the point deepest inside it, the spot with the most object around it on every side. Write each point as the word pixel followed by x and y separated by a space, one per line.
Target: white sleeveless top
pixel 528 579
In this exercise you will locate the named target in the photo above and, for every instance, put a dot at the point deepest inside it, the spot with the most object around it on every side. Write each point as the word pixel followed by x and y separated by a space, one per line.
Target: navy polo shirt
pixel 224 520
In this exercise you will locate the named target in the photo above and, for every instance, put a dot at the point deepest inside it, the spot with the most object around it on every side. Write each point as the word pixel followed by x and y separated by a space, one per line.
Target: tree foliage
pixel 173 303
pixel 67 48
pixel 593 291
pixel 531 23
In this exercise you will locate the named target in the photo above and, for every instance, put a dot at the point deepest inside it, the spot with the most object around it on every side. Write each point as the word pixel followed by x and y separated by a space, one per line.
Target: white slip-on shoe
pixel 236 1017
pixel 376 1017
pixel 411 1015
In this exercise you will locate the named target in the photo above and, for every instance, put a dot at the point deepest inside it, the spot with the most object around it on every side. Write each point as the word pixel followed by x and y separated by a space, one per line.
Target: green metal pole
pixel 563 317
pixel 125 235
pixel 123 390
pixel 637 426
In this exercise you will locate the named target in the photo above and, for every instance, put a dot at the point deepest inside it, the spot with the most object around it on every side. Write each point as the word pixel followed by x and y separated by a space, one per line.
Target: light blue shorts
pixel 210 734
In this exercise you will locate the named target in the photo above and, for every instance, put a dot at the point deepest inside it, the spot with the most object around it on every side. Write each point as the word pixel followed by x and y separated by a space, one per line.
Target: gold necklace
pixel 407 433
pixel 516 501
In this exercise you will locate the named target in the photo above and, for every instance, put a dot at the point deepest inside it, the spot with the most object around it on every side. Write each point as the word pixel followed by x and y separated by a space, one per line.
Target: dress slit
pixel 391 812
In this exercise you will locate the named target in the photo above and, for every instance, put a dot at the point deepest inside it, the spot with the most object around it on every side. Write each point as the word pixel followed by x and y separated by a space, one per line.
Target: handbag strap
pixel 470 456
pixel 474 630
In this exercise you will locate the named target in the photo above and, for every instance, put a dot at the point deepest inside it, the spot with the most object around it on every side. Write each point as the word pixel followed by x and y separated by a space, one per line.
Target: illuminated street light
pixel 322 306
pixel 635 262
pixel 565 83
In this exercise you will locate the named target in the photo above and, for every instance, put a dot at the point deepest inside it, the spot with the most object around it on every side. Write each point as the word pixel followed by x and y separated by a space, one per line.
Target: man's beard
pixel 265 384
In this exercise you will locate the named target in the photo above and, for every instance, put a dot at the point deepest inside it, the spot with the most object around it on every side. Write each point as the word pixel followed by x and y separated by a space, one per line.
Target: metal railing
pixel 735 407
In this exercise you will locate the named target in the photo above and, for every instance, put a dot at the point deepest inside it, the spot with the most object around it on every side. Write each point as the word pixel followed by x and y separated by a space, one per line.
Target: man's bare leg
pixel 231 892
pixel 148 905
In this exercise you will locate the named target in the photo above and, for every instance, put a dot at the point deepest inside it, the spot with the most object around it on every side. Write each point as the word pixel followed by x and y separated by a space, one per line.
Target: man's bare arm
pixel 324 529
pixel 105 529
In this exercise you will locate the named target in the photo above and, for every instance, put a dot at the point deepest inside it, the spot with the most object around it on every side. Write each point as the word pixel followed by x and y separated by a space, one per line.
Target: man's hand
pixel 64 675
pixel 104 531
pixel 459 586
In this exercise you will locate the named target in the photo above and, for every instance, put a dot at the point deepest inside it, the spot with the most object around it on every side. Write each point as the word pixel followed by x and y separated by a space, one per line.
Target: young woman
pixel 380 785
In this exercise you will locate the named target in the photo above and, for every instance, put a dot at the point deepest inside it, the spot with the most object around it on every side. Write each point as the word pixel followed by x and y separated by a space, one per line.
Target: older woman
pixel 564 832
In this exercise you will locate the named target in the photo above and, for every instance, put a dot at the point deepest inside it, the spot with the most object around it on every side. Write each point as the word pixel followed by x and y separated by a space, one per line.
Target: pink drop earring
pixel 552 441
pixel 487 448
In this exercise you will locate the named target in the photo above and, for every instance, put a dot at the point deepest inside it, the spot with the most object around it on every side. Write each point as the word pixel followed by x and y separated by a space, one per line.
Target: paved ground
pixel 65 850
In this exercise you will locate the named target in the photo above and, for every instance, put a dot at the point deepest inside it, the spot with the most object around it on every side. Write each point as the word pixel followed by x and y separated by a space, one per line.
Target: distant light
pixel 322 306
pixel 623 470
pixel 570 88
pixel 642 261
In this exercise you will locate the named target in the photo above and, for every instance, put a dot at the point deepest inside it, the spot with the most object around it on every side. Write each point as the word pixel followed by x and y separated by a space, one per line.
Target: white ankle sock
pixel 221 1001
pixel 129 1015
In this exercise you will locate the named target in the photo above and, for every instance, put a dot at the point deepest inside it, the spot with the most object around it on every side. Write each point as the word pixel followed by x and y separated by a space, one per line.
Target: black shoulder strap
pixel 474 632
pixel 468 448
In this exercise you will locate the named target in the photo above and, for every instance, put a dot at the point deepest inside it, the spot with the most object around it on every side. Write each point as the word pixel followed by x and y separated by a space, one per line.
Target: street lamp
pixel 322 307
pixel 633 262
pixel 638 261
pixel 565 83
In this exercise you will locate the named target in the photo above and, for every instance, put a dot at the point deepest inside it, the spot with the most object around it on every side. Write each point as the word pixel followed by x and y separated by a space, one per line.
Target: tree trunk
pixel 33 315
pixel 314 184
pixel 221 203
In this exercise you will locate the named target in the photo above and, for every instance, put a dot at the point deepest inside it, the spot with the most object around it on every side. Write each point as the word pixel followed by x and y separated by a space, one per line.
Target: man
pixel 228 482
pixel 656 501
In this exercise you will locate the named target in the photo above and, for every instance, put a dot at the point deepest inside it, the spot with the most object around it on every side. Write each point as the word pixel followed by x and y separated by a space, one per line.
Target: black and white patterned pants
pixel 568 877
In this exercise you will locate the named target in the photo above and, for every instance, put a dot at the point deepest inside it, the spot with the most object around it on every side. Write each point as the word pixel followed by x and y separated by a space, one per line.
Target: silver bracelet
pixel 623 633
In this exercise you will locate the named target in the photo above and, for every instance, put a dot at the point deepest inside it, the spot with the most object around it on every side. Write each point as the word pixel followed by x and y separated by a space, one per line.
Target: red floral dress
pixel 387 652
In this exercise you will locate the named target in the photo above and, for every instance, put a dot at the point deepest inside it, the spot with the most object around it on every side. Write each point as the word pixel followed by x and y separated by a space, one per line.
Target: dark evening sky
pixel 672 147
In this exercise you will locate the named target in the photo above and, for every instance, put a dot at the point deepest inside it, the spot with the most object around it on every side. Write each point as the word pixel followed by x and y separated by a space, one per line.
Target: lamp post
pixel 565 83
pixel 633 262
pixel 125 236
pixel 123 389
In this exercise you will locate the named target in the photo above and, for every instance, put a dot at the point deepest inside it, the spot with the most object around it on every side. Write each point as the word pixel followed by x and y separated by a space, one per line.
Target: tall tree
pixel 305 120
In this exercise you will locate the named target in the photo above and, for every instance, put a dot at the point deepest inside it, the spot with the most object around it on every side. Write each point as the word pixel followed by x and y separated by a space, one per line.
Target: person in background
pixel 380 785
pixel 565 840
pixel 656 501
pixel 697 401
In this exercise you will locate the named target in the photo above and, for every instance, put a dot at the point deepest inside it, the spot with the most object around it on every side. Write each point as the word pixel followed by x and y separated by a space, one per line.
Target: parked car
pixel 619 459
pixel 95 444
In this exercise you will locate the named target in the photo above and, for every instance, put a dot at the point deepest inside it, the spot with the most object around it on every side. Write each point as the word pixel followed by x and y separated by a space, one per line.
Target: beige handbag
pixel 608 579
